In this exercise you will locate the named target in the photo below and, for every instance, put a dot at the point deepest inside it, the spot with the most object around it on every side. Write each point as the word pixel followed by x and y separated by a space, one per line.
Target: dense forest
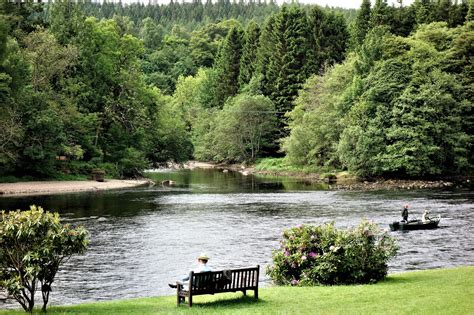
pixel 385 90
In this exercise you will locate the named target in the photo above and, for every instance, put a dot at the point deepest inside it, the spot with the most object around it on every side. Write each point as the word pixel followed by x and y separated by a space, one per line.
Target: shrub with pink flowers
pixel 313 255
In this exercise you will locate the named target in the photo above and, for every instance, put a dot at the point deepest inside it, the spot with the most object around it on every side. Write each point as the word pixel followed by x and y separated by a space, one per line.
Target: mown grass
pixel 440 291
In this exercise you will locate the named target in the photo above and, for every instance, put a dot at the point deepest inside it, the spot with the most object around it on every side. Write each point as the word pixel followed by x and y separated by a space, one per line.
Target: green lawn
pixel 440 291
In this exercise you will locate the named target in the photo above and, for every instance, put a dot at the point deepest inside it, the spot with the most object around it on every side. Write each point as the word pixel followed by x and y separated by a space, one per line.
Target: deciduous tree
pixel 34 244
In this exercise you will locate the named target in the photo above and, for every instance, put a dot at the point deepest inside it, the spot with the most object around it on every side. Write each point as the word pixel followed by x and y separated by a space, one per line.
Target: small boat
pixel 415 225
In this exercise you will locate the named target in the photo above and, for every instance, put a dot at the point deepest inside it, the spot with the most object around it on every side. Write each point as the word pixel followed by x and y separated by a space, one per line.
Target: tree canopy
pixel 385 90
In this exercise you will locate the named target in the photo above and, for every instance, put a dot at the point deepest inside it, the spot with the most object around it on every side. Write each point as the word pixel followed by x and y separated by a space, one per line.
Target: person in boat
pixel 425 218
pixel 201 267
pixel 405 213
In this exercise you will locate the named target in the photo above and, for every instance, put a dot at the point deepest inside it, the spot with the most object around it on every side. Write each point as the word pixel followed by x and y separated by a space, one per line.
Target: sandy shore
pixel 57 187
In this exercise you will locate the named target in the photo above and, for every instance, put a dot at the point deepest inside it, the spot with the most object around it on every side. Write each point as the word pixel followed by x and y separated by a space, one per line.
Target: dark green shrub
pixel 311 255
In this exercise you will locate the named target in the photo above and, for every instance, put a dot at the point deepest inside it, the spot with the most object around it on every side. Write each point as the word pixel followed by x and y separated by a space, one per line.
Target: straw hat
pixel 203 257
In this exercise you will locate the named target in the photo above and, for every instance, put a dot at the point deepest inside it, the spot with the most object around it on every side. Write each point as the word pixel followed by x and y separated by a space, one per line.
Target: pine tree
pixel 316 16
pixel 443 9
pixel 381 14
pixel 65 18
pixel 267 59
pixel 249 53
pixel 334 38
pixel 293 46
pixel 362 23
pixel 423 11
pixel 228 66
pixel 403 19
pixel 470 11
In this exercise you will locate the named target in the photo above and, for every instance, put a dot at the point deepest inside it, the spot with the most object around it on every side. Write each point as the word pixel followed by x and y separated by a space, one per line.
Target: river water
pixel 143 238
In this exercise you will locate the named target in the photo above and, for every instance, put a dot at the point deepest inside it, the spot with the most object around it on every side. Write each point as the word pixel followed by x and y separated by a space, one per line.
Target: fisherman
pixel 425 218
pixel 405 213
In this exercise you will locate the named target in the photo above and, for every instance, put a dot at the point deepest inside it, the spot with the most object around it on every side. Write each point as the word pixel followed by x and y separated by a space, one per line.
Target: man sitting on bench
pixel 202 267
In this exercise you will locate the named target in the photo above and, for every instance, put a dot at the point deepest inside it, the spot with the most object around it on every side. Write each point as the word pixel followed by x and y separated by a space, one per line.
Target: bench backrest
pixel 224 280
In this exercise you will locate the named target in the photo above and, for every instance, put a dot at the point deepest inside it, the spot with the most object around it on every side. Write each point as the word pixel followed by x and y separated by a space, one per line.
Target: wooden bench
pixel 218 282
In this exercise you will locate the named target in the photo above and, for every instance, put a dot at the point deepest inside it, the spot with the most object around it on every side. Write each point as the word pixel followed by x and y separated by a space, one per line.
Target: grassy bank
pixel 440 291
pixel 280 165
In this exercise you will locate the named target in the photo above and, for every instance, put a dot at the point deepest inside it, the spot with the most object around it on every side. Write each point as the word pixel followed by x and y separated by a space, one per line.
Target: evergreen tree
pixel 423 11
pixel 249 53
pixel 459 12
pixel 334 39
pixel 443 9
pixel 152 34
pixel 316 19
pixel 381 14
pixel 228 66
pixel 362 23
pixel 267 62
pixel 470 12
pixel 65 18
pixel 292 46
pixel 403 20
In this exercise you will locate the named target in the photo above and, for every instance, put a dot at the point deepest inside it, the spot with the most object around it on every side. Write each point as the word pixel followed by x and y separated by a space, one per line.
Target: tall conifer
pixel 267 57
pixel 293 47
pixel 362 23
pixel 470 11
pixel 228 66
pixel 249 53
pixel 381 14
pixel 334 38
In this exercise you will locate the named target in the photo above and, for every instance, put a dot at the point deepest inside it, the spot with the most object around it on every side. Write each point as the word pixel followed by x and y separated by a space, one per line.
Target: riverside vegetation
pixel 312 255
pixel 385 90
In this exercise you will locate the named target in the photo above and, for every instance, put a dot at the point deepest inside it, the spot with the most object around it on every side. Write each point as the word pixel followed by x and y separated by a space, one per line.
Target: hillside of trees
pixel 381 91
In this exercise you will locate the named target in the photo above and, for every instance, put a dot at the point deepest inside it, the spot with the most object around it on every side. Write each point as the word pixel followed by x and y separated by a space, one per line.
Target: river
pixel 145 237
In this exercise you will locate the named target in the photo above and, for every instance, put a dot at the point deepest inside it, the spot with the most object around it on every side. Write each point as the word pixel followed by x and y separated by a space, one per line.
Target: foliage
pixel 240 132
pixel 34 244
pixel 316 122
pixel 85 84
pixel 227 67
pixel 361 24
pixel 168 137
pixel 249 53
pixel 311 255
pixel 398 107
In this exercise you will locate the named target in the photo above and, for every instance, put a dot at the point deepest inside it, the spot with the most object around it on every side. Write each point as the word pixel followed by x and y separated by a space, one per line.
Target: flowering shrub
pixel 311 255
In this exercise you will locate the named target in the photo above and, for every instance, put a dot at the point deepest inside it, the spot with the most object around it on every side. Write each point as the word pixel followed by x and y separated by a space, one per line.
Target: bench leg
pixel 244 292
pixel 179 299
pixel 256 294
pixel 190 300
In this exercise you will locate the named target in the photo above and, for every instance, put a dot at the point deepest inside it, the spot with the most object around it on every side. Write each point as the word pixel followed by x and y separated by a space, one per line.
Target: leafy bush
pixel 311 255
pixel 33 244
pixel 133 163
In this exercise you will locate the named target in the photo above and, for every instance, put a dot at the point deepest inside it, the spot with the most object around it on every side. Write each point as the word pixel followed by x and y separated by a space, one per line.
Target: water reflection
pixel 142 238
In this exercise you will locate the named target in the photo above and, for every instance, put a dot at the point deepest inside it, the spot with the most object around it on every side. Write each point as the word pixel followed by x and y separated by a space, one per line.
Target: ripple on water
pixel 142 239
